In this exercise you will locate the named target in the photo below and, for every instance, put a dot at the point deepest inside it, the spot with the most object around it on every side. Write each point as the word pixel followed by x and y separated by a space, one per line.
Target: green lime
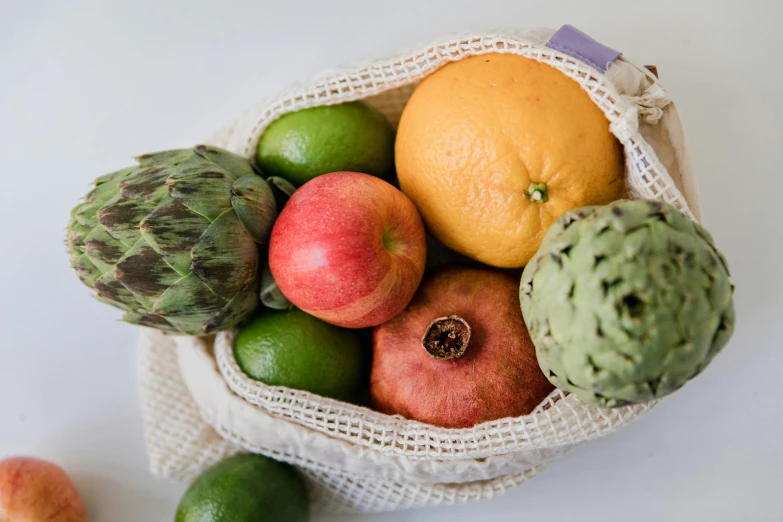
pixel 291 348
pixel 307 143
pixel 245 488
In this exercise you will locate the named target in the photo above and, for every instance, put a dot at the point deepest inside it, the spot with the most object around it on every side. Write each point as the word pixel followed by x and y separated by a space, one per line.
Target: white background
pixel 85 85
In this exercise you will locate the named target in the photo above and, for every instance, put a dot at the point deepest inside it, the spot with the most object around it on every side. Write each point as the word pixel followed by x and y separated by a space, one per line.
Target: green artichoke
pixel 174 241
pixel 626 302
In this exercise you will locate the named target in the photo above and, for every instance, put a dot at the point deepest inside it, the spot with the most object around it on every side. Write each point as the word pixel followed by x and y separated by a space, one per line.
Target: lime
pixel 245 488
pixel 291 348
pixel 307 143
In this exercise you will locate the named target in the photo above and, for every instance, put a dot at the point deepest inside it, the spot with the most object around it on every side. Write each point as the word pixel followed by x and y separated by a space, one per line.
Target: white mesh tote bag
pixel 199 407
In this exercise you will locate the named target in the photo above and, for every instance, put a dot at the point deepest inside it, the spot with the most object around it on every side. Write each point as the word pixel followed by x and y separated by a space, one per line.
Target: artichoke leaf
pixel 113 292
pixel 85 270
pixel 201 186
pixel 237 309
pixel 144 303
pixel 144 272
pixel 121 218
pixel 723 333
pixel 151 320
pixel 166 157
pixel 225 258
pixel 270 295
pixel 721 293
pixel 76 235
pixel 189 304
pixel 282 189
pixel 234 165
pixel 172 229
pixel 147 184
pixel 86 213
pixel 114 177
pixel 254 204
pixel 675 219
pixel 102 249
pixel 625 218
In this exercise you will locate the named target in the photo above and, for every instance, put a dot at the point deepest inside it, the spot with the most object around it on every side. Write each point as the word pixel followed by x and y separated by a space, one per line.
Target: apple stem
pixel 447 338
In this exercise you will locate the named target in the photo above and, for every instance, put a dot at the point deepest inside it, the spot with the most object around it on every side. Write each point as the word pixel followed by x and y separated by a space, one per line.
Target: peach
pixel 33 490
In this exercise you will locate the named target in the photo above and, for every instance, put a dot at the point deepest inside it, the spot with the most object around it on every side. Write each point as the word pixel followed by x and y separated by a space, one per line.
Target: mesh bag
pixel 199 407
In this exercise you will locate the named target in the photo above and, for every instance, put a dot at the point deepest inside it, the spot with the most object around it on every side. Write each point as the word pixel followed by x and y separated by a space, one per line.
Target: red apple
pixel 33 490
pixel 348 248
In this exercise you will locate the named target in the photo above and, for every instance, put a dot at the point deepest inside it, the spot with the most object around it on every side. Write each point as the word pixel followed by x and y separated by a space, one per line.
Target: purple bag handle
pixel 576 44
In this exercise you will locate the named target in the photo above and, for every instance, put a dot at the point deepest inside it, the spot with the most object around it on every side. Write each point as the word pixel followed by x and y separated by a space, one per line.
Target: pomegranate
pixel 459 354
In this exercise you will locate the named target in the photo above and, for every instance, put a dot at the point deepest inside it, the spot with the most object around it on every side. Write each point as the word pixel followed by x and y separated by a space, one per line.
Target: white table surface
pixel 87 84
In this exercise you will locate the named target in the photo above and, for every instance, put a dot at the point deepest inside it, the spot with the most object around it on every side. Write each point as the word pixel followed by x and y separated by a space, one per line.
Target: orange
pixel 493 148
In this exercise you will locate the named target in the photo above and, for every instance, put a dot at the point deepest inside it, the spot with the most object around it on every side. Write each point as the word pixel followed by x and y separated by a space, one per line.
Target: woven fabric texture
pixel 199 407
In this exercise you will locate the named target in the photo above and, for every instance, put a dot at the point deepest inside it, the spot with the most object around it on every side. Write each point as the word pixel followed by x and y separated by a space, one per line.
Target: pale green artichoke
pixel 174 241
pixel 626 302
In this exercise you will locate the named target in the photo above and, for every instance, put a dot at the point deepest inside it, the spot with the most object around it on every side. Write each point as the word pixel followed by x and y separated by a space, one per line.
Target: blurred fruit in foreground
pixel 245 488
pixel 307 143
pixel 348 248
pixel 174 240
pixel 459 354
pixel 33 490
pixel 493 148
pixel 626 302
pixel 291 348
